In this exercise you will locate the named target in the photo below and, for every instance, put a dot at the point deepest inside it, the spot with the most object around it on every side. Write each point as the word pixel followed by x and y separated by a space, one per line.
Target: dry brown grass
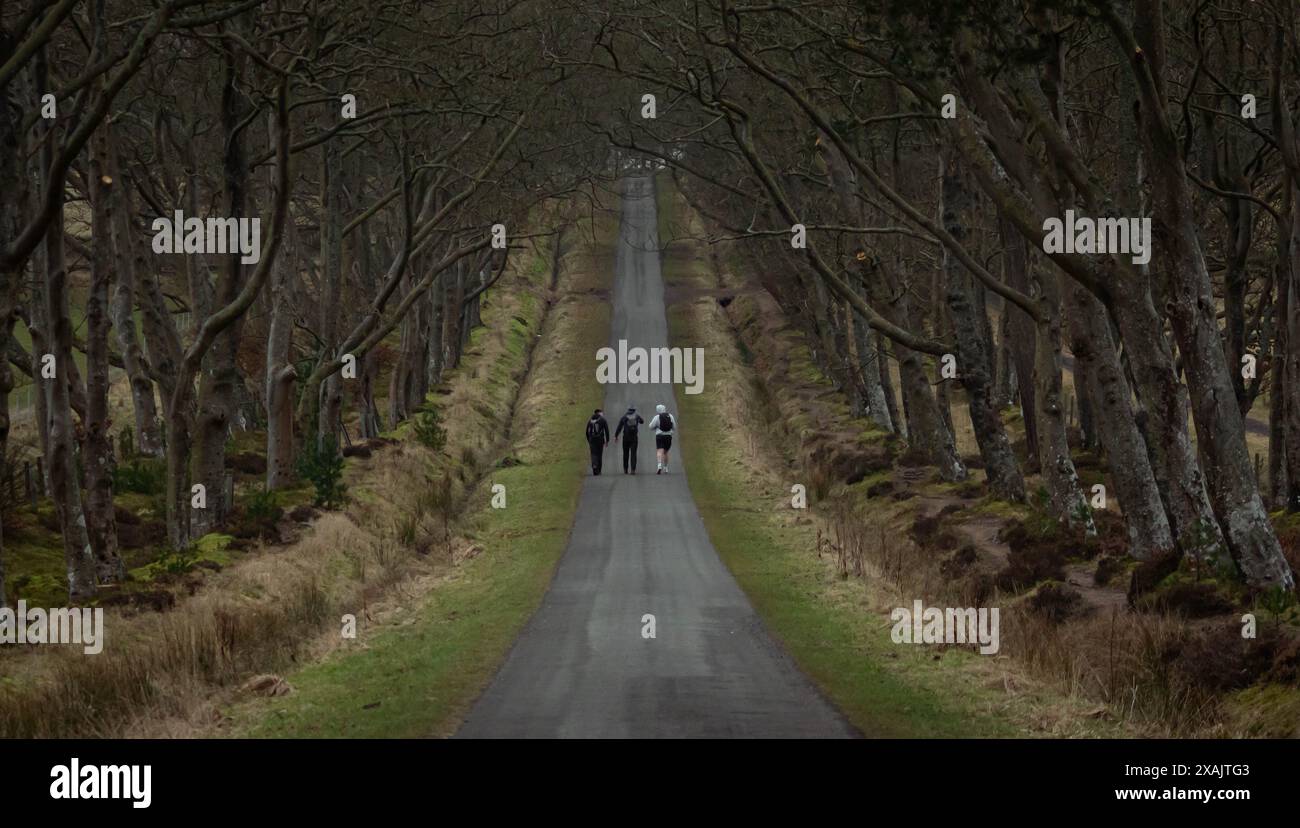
pixel 167 674
pixel 1121 659
pixel 1135 669
pixel 253 617
pixel 160 672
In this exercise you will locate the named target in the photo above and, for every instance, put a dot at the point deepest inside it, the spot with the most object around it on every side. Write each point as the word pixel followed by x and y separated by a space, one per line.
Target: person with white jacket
pixel 663 425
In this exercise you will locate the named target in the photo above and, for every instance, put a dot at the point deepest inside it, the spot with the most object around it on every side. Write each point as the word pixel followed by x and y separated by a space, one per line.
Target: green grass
pixel 419 678
pixel 1266 711
pixel 34 556
pixel 825 623
pixel 416 680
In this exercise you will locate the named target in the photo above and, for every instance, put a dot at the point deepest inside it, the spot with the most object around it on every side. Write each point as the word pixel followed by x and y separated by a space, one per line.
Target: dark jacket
pixel 597 430
pixel 627 425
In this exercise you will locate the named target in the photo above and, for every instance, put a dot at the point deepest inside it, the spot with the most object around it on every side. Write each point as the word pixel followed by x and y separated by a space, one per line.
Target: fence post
pixel 228 494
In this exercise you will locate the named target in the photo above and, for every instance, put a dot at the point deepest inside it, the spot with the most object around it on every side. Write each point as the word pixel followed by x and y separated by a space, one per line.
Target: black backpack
pixel 665 422
pixel 593 430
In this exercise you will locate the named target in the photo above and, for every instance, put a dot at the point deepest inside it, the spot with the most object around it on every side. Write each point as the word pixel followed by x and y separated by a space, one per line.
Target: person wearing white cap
pixel 662 424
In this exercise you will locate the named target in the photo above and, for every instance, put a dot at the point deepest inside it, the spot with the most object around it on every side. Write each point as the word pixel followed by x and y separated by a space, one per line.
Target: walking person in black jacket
pixel 627 426
pixel 597 439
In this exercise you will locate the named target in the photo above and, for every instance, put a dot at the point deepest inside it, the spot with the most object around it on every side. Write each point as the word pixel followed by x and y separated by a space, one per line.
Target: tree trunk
pixel 452 317
pixel 1004 386
pixel 219 383
pixel 1277 395
pixel 55 339
pixel 1223 159
pixel 279 425
pixel 1220 429
pixel 866 397
pixel 434 367
pixel 943 389
pixel 975 365
pixel 1087 417
pixel 1162 402
pixel 1291 407
pixel 400 384
pixel 1097 367
pixel 1066 501
pixel 1162 418
pixel 887 385
pixel 10 278
pixel 280 371
pixel 926 429
pixel 844 358
pixel 422 344
pixel 64 483
pixel 331 255
pixel 179 510
pixel 475 310
pixel 220 380
pixel 1280 382
pixel 869 360
pixel 8 300
pixel 1023 335
pixel 368 413
pixel 97 455
pixel 148 428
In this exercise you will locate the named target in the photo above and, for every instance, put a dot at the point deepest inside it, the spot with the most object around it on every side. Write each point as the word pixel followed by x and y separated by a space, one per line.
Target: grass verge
pixel 828 625
pixel 420 669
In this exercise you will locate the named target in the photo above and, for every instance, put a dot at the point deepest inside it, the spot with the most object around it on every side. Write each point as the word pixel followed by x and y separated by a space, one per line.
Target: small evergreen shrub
pixel 428 428
pixel 143 475
pixel 321 463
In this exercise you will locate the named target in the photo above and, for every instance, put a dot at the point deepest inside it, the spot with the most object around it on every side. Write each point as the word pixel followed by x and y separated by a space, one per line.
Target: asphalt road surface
pixel 581 667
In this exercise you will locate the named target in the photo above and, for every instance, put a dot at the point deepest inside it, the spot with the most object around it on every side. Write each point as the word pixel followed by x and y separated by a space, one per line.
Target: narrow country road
pixel 581 667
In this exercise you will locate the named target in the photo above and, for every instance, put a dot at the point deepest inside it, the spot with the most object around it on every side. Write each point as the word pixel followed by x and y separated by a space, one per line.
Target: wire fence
pixel 22 401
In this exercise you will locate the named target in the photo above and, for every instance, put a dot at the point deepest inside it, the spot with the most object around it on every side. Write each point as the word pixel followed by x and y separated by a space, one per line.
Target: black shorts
pixel 663 441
